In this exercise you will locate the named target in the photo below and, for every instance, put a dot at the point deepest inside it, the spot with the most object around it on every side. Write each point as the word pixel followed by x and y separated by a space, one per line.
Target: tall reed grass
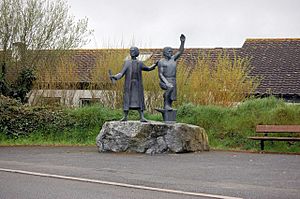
pixel 224 81
pixel 56 70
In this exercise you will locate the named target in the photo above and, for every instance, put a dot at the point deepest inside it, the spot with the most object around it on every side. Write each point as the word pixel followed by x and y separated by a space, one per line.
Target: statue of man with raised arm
pixel 167 73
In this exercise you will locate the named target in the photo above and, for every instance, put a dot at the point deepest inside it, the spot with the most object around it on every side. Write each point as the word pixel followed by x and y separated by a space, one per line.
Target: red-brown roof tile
pixel 277 61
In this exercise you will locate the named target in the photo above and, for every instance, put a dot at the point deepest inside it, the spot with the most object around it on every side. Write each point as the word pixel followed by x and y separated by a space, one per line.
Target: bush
pixel 50 125
pixel 17 119
pixel 223 81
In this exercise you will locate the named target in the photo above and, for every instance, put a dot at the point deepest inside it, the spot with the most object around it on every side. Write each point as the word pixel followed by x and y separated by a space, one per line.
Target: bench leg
pixel 262 145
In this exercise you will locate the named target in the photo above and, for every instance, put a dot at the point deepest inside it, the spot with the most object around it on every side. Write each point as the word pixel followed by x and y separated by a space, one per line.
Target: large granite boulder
pixel 151 137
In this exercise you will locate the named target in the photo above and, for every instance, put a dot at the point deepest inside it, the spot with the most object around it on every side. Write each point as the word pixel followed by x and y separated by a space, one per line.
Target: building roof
pixel 86 59
pixel 277 61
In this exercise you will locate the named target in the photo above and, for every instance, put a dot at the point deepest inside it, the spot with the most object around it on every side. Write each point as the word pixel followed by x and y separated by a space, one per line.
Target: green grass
pixel 227 128
pixel 74 136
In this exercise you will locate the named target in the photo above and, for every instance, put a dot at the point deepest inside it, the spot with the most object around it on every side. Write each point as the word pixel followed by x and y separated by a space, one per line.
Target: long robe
pixel 138 89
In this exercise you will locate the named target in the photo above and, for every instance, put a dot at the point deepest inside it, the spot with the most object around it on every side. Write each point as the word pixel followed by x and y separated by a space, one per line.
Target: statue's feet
pixel 168 108
pixel 143 120
pixel 124 119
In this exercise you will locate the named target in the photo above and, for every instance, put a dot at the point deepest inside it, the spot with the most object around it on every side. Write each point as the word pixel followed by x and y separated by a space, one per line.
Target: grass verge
pixel 227 128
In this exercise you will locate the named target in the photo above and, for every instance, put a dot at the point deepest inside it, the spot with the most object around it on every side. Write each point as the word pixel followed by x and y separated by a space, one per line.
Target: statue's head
pixel 134 52
pixel 168 52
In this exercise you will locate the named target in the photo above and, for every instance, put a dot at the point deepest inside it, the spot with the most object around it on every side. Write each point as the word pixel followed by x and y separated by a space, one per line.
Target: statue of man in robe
pixel 133 97
pixel 167 73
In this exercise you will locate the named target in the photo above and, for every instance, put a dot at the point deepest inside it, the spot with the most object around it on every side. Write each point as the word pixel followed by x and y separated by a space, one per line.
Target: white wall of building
pixel 73 98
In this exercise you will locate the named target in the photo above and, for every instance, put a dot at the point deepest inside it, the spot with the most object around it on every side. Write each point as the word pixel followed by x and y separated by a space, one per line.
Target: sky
pixel 205 23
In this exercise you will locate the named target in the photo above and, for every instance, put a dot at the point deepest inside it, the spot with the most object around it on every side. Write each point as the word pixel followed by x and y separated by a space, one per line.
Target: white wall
pixel 73 98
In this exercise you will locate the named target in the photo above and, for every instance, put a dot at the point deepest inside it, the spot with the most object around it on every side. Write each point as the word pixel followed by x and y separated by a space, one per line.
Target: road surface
pixel 224 174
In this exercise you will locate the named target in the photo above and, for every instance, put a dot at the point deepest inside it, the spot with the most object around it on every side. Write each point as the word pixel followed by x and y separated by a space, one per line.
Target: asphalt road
pixel 242 175
pixel 49 188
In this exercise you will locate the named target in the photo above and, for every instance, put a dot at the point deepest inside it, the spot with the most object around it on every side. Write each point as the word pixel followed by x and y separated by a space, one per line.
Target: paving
pixel 232 174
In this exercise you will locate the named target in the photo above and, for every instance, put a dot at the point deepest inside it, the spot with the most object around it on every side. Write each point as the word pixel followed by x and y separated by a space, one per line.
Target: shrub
pixel 17 119
pixel 224 81
pixel 40 124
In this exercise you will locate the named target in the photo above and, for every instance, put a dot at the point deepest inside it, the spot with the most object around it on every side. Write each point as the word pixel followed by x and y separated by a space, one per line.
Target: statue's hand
pixel 169 85
pixel 182 38
pixel 112 77
pixel 156 63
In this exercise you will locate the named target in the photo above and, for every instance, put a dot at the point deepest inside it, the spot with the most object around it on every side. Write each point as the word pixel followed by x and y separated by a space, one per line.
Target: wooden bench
pixel 279 129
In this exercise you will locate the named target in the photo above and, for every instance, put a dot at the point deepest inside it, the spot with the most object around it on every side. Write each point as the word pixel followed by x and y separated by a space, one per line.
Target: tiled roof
pixel 190 55
pixel 277 61
pixel 86 59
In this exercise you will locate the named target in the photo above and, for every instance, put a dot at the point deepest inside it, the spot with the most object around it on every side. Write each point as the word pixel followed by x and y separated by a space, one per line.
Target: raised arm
pixel 152 67
pixel 181 48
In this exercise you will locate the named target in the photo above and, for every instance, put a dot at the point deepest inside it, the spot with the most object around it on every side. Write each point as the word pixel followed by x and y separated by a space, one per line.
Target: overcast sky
pixel 206 23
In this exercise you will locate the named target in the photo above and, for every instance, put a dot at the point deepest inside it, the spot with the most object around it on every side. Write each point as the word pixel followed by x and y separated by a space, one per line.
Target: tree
pixel 31 26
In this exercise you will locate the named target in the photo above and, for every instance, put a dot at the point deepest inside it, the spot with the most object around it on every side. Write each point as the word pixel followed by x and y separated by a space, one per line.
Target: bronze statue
pixel 133 97
pixel 167 73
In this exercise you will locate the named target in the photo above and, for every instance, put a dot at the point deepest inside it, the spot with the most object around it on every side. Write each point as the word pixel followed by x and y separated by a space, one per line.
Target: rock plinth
pixel 151 137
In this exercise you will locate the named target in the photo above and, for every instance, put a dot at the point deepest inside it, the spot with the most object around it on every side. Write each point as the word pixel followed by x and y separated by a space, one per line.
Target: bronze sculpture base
pixel 169 116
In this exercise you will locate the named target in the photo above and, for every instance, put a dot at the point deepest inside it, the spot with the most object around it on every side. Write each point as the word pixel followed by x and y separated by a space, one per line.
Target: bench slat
pixel 278 128
pixel 276 138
